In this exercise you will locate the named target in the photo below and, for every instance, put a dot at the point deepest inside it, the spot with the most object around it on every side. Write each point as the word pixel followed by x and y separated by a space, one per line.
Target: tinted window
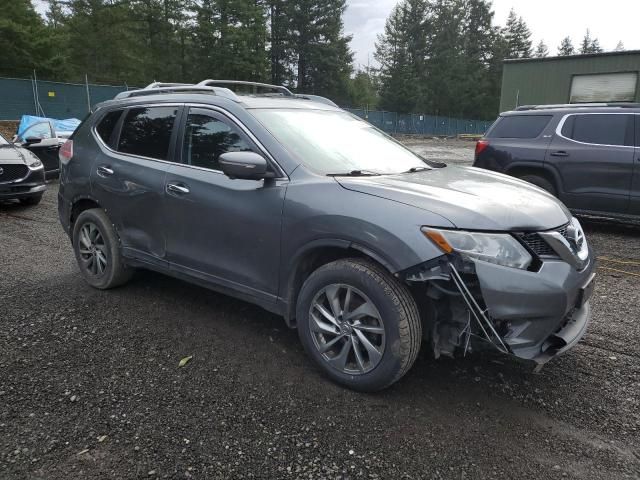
pixel 146 131
pixel 206 138
pixel 600 129
pixel 520 126
pixel 108 124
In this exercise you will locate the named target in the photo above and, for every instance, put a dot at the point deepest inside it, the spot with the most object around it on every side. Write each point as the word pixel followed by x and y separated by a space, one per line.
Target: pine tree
pixel 25 42
pixel 619 47
pixel 541 50
pixel 589 44
pixel 402 58
pixel 363 90
pixel 229 40
pixel 517 36
pixel 566 47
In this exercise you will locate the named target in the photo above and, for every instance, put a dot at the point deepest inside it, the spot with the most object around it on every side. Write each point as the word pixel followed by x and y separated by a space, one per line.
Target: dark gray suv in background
pixel 295 205
pixel 587 155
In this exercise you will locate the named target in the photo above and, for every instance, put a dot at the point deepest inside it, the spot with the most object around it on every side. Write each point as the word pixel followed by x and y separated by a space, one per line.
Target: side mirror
pixel 243 165
pixel 32 140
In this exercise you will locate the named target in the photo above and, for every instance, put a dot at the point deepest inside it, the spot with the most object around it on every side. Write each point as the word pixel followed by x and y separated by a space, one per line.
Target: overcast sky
pixel 552 20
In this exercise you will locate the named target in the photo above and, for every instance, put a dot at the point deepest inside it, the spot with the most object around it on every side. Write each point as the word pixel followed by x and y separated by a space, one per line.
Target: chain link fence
pixel 68 100
pixel 422 124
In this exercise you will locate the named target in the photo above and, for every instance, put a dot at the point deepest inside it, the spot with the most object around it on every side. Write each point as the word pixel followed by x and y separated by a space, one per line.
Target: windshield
pixel 337 143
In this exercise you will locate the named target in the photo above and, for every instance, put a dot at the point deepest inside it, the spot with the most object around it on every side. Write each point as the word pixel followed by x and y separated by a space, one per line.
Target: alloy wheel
pixel 347 329
pixel 93 249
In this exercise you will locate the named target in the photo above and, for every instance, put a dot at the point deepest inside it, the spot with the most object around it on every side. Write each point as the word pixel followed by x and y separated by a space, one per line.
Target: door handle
pixel 559 154
pixel 105 171
pixel 176 188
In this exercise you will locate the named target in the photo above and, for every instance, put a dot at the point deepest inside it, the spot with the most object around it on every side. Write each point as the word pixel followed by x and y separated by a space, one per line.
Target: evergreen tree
pixel 402 58
pixel 363 90
pixel 541 50
pixel 229 40
pixel 566 47
pixel 318 50
pixel 590 45
pixel 619 47
pixel 103 43
pixel 25 42
pixel 517 36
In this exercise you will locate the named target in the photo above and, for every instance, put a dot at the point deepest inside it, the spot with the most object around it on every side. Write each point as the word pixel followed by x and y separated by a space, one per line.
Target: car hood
pixel 470 198
pixel 13 154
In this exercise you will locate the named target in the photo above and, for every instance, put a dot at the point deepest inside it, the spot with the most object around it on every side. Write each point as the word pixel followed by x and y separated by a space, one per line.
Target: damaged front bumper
pixel 542 314
pixel 533 315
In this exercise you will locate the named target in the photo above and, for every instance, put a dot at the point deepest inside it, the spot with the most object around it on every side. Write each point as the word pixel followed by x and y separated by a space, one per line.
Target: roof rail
pixel 578 105
pixel 316 98
pixel 160 88
pixel 278 88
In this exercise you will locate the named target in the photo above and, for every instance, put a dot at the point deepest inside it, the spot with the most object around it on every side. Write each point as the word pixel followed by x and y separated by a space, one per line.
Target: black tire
pixel 541 182
pixel 115 272
pixel 399 317
pixel 31 201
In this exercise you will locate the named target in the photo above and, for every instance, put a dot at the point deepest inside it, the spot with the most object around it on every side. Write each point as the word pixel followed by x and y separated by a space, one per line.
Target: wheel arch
pixel 78 206
pixel 520 170
pixel 313 256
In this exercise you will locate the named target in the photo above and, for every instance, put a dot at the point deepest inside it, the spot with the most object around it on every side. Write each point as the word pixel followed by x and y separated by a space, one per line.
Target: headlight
pixel 498 248
pixel 35 164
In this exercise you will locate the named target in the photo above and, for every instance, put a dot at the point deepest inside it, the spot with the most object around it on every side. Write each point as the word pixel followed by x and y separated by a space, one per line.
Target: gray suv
pixel 587 155
pixel 369 250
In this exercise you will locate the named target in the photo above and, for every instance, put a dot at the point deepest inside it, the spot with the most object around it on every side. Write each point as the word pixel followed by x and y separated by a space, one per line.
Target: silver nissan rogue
pixel 288 202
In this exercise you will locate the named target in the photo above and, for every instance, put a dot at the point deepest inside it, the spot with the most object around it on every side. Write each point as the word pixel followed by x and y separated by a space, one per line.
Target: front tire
pixel 359 324
pixel 97 250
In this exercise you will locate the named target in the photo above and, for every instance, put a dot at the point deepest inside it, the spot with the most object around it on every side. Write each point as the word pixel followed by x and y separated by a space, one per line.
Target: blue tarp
pixel 68 125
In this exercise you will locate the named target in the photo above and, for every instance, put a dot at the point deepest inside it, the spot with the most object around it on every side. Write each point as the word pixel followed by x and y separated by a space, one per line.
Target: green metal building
pixel 603 77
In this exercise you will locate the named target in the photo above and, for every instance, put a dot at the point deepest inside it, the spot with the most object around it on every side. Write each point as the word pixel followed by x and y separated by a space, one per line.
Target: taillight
pixel 481 146
pixel 66 151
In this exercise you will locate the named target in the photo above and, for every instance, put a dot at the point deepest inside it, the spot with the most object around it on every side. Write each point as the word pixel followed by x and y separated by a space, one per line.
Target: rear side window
pixel 146 132
pixel 108 124
pixel 520 126
pixel 600 129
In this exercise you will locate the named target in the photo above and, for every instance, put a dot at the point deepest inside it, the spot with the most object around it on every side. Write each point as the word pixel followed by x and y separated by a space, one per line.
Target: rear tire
pixel 31 201
pixel 541 182
pixel 97 249
pixel 377 324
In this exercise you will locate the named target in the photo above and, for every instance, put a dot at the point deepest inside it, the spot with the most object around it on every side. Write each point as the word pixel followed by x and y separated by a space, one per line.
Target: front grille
pixel 538 245
pixel 12 172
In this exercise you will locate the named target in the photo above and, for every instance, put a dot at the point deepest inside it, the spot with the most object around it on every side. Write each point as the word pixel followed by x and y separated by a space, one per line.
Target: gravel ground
pixel 90 385
pixel 448 150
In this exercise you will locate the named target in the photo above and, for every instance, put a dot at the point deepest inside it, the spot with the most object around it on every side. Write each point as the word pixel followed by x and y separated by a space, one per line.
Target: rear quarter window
pixel 107 125
pixel 600 129
pixel 146 131
pixel 519 126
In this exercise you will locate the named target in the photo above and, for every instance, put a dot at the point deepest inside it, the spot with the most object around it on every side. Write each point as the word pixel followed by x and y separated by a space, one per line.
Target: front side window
pixel 39 130
pixel 146 132
pixel 599 129
pixel 519 126
pixel 334 142
pixel 3 141
pixel 207 137
pixel 108 124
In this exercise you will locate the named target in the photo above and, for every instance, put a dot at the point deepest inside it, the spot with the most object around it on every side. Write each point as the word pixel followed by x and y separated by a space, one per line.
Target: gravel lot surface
pixel 90 385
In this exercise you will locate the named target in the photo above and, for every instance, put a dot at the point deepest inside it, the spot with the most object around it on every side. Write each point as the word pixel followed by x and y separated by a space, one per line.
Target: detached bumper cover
pixel 544 312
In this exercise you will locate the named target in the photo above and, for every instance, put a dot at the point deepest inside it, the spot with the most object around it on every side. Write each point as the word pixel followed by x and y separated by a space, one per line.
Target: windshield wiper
pixel 355 173
pixel 417 169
